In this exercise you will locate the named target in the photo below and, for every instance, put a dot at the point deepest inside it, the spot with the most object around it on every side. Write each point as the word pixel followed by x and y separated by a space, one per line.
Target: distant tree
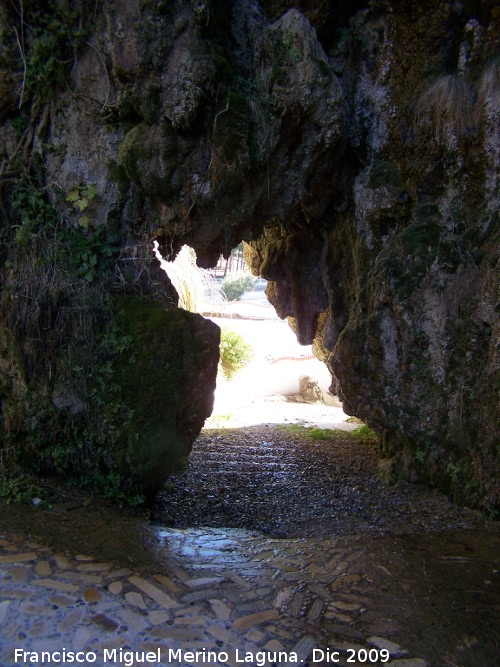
pixel 236 284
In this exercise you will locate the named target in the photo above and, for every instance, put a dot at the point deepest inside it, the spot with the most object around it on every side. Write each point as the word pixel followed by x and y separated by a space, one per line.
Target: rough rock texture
pixel 164 379
pixel 409 255
pixel 354 146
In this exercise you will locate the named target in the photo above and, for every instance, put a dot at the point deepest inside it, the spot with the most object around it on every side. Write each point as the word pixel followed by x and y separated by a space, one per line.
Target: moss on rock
pixel 163 380
pixel 149 156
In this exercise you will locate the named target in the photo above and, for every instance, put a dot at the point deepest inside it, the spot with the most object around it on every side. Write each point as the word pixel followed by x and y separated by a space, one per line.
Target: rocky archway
pixel 361 167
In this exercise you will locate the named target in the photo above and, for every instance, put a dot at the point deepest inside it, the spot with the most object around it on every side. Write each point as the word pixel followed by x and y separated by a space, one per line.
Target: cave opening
pixel 265 375
pixel 278 454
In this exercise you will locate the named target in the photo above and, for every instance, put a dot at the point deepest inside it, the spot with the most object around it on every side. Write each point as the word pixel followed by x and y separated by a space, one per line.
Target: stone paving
pixel 234 596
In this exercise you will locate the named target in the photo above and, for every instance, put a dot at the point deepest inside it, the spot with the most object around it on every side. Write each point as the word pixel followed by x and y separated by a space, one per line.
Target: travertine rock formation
pixel 354 146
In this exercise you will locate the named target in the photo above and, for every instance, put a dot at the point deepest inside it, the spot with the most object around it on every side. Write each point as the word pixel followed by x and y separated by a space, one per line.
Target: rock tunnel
pixel 354 147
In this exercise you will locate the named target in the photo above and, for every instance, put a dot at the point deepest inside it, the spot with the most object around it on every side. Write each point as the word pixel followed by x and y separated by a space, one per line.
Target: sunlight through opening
pixel 270 387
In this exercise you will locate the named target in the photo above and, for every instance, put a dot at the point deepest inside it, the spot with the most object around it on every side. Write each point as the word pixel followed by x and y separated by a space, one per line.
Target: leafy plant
pixel 113 343
pixel 245 85
pixel 235 352
pixel 19 124
pixel 219 421
pixel 51 42
pixel 290 50
pixel 320 433
pixel 81 196
pixel 91 252
pixel 35 215
pixel 18 490
pixel 236 284
pixel 351 37
pixel 81 447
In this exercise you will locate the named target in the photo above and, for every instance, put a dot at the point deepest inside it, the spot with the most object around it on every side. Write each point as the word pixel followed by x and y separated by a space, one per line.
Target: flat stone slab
pixel 93 567
pixel 245 622
pixel 4 606
pixel 155 593
pixel 18 558
pixel 56 585
pixel 62 561
pixel 43 568
pixel 91 595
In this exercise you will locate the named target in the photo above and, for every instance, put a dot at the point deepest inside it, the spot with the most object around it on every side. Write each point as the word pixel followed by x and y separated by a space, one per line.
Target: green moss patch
pixel 165 380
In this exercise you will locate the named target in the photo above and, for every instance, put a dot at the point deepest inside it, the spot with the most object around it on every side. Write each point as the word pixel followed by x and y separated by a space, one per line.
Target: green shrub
pixel 236 284
pixel 34 215
pixel 18 490
pixel 55 34
pixel 235 352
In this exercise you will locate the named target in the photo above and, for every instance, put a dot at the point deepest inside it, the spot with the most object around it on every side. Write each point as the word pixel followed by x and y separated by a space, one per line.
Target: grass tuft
pixel 363 433
pixel 446 105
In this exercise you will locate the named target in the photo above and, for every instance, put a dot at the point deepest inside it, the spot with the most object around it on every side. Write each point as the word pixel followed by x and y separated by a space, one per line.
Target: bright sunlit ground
pixel 259 393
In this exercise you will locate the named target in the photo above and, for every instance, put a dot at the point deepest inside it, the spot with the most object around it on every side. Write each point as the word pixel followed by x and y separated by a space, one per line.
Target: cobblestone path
pixel 225 589
pixel 239 597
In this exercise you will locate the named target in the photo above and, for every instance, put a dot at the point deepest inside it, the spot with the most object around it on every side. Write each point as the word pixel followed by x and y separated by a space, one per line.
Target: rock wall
pixel 353 146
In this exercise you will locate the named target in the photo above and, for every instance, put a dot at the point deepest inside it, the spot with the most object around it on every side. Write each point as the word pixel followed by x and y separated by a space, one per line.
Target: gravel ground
pixel 285 483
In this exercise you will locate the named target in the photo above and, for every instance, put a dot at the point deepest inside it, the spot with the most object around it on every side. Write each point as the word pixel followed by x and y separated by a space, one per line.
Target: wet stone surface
pixel 286 484
pixel 96 579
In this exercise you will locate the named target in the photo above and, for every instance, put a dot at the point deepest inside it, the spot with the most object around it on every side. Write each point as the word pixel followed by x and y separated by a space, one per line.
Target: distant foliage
pixel 235 352
pixel 236 284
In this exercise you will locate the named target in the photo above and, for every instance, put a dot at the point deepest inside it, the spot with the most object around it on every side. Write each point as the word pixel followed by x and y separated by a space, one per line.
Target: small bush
pixel 236 284
pixel 18 490
pixel 235 352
